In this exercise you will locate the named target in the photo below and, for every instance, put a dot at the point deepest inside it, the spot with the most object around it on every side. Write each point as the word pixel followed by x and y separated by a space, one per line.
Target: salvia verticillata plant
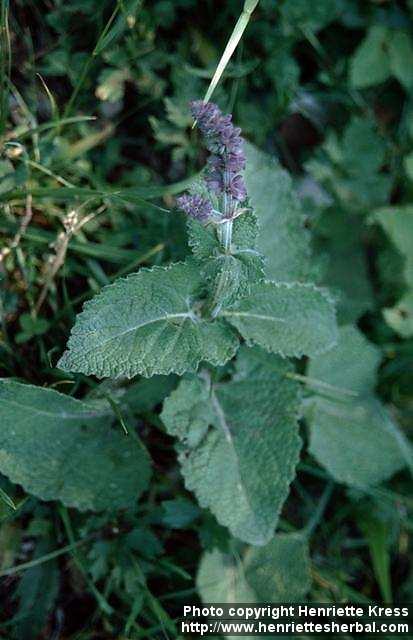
pixel 278 454
pixel 161 320
pixel 192 318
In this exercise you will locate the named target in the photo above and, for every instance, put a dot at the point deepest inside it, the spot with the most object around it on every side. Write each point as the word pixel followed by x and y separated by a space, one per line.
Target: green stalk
pixel 241 25
pixel 11 571
pixel 5 64
pixel 100 599
pixel 225 232
pixel 89 62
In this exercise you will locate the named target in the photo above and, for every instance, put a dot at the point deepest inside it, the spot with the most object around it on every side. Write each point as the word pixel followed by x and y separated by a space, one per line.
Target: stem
pixel 225 238
pixel 320 384
pixel 321 507
pixel 49 556
pixel 225 232
pixel 100 599
pixel 89 62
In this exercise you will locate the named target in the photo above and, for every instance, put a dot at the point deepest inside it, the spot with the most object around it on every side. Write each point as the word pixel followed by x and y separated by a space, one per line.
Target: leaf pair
pixel 150 323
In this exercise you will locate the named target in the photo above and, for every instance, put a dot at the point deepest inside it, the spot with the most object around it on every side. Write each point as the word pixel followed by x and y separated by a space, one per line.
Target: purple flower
pixel 224 165
pixel 224 142
pixel 195 206
pixel 237 189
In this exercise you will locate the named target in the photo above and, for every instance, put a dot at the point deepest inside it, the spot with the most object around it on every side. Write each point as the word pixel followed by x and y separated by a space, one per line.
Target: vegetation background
pixel 96 140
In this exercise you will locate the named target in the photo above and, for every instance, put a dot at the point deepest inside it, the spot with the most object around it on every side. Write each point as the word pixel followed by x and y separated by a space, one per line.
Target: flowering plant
pixel 216 308
pixel 210 390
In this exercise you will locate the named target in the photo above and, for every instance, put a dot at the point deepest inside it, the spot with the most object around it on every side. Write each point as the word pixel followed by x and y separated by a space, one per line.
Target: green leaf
pixel 31 327
pixel 245 232
pixel 307 16
pixel 364 191
pixel 283 238
pixel 397 222
pixel 375 529
pixel 37 592
pixel 227 279
pixel 147 324
pixel 202 239
pixel 401 55
pixel 355 439
pixel 351 365
pixel 289 319
pixel 280 570
pixel 352 440
pixel 351 170
pixel 59 448
pixel 221 579
pixel 188 411
pixel 383 53
pixel 370 62
pixel 7 177
pixel 240 444
pixel 408 165
pixel 229 275
pixel 179 513
pixel 363 149
pixel 350 287
pixel 277 572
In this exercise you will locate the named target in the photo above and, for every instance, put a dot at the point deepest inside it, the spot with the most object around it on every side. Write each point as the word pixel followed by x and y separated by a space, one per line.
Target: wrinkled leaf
pixel 282 239
pixel 350 365
pixel 146 324
pixel 231 277
pixel 353 436
pixel 277 572
pixel 240 444
pixel 353 442
pixel 289 319
pixel 59 448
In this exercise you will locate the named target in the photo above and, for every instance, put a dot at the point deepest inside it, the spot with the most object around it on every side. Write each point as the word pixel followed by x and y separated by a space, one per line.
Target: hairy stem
pixel 225 235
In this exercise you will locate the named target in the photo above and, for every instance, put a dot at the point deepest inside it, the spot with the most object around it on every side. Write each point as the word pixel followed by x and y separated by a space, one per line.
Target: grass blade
pixel 5 63
pixel 232 44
